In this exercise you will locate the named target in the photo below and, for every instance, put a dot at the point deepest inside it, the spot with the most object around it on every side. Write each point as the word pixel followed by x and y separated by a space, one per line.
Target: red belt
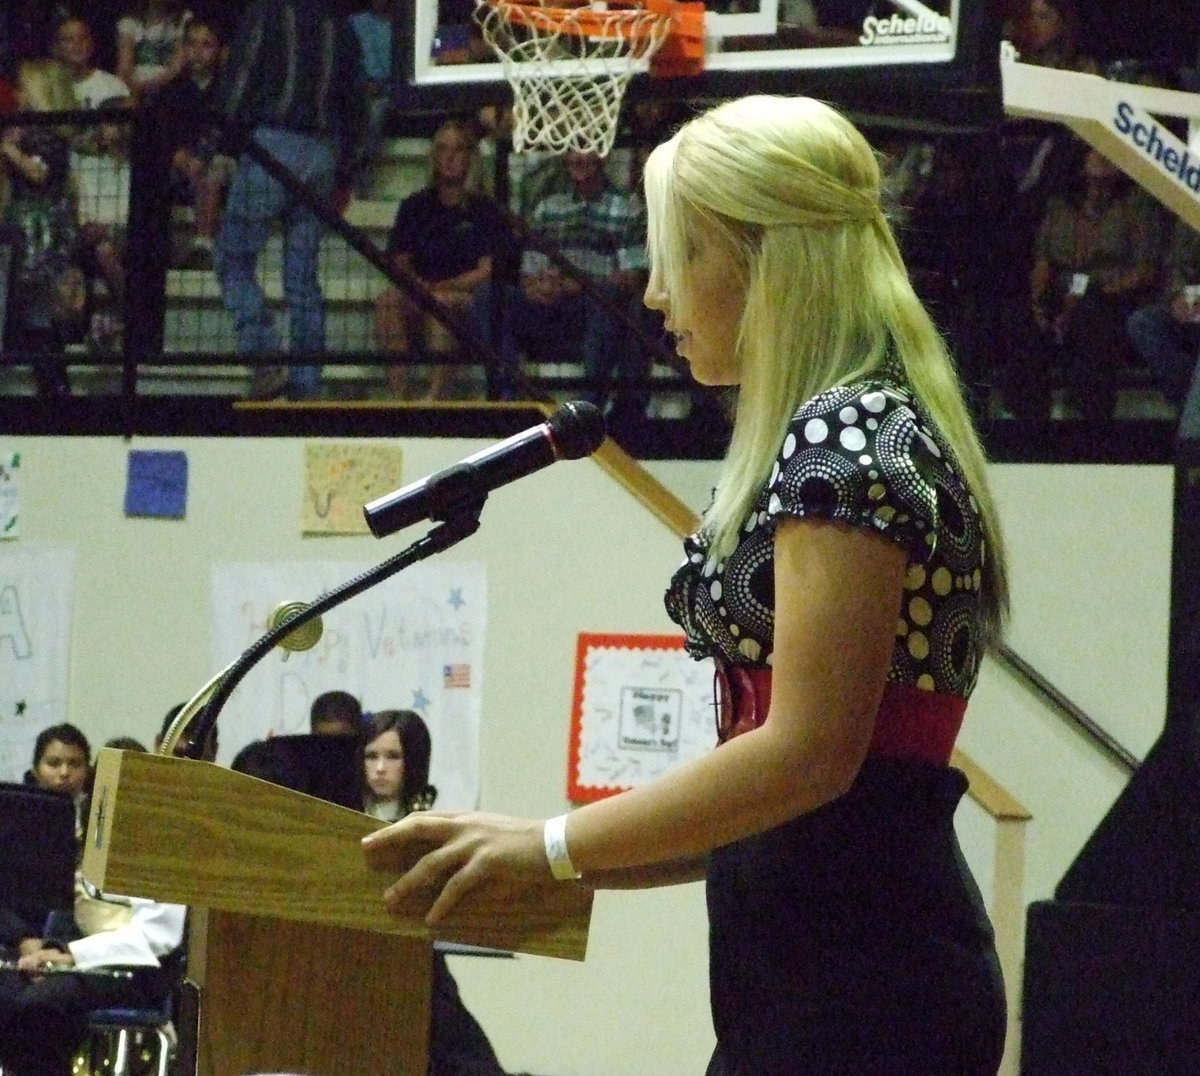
pixel 910 723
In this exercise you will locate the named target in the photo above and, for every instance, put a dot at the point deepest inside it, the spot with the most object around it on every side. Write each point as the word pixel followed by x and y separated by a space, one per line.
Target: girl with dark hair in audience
pixel 395 773
pixel 395 782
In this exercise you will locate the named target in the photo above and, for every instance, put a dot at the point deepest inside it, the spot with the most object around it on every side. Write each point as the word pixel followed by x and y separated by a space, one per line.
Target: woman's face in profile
pixel 62 768
pixel 705 322
pixel 383 762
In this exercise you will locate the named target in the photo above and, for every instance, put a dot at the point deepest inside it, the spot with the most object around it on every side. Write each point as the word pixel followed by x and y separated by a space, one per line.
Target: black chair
pixel 38 851
pixel 326 767
pixel 119 1038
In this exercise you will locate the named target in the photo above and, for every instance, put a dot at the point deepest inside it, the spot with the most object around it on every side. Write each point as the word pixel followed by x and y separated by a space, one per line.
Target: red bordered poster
pixel 641 706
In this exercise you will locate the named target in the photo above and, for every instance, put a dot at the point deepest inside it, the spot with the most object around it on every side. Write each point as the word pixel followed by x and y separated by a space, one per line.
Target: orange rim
pixel 582 20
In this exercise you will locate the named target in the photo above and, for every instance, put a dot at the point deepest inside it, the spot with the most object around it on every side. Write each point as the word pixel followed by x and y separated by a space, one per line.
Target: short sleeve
pixel 402 237
pixel 862 455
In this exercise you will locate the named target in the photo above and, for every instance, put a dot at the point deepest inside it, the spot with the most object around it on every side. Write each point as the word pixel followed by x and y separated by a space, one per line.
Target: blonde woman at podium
pixel 847 579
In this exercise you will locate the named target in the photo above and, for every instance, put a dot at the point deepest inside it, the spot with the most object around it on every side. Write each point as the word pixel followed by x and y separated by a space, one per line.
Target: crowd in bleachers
pixel 1067 289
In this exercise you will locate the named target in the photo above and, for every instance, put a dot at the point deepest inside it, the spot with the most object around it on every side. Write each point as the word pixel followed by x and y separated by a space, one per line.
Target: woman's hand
pixel 466 851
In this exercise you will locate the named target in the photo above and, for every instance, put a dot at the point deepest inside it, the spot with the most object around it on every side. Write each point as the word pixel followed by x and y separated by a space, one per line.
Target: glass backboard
pixel 750 45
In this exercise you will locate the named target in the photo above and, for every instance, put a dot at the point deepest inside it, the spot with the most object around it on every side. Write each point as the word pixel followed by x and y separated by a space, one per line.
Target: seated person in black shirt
pixel 184 108
pixel 447 235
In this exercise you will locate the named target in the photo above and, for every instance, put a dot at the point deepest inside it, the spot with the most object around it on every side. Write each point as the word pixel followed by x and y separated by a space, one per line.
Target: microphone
pixel 576 429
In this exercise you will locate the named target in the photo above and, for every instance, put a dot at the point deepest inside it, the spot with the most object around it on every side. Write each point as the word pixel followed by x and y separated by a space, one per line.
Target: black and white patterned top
pixel 866 455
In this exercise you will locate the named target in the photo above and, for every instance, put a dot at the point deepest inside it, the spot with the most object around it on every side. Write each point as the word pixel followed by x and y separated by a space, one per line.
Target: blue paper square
pixel 156 484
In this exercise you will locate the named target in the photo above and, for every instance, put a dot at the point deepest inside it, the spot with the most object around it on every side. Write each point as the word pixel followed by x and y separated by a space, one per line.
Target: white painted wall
pixel 567 552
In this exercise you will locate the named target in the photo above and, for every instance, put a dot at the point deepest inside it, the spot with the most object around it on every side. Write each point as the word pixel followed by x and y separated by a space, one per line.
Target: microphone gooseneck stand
pixel 458 498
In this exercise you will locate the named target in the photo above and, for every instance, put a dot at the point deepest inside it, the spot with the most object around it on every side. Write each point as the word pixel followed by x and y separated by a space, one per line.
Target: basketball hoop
pixel 569 64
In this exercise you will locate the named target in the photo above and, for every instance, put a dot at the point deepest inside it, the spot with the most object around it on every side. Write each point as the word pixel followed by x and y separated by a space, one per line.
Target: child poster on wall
pixel 641 707
pixel 340 478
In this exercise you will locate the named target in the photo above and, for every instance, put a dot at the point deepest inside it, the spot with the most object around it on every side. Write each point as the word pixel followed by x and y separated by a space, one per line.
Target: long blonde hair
pixel 793 189
pixel 45 86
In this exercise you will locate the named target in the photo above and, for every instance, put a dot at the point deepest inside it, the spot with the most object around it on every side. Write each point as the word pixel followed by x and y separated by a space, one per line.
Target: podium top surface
pixel 196 833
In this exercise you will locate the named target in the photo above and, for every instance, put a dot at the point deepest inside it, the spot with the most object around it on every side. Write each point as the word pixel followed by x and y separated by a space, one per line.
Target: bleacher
pixel 199 361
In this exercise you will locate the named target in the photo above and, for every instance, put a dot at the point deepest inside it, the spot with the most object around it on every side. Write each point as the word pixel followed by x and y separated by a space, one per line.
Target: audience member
pixel 1046 33
pixel 62 762
pixel 293 84
pixel 1096 257
pixel 125 743
pixel 373 28
pixel 99 161
pixel 75 46
pixel 209 753
pixel 1166 334
pixel 199 173
pixel 150 44
pixel 395 782
pixel 335 713
pixel 49 289
pixel 446 235
pixel 600 231
pixel 1038 158
pixel 259 759
pixel 43 1006
pixel 27 31
pixel 395 772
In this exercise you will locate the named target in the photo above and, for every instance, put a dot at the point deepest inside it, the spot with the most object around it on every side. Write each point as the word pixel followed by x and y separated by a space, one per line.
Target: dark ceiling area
pixel 1164 33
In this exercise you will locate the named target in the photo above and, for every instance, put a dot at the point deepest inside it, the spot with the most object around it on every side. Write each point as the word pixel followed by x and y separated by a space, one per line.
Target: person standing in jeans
pixel 292 86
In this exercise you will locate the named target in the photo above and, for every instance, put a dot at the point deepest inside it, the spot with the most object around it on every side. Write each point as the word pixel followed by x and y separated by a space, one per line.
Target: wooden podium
pixel 300 967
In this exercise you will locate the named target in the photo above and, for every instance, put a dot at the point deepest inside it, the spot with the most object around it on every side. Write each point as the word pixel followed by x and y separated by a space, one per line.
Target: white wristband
pixel 554 836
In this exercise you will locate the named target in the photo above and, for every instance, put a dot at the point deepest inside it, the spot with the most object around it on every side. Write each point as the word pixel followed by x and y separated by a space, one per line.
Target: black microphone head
pixel 577 428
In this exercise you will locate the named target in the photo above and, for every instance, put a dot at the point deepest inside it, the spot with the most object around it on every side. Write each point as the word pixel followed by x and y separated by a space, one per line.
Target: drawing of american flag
pixel 456 675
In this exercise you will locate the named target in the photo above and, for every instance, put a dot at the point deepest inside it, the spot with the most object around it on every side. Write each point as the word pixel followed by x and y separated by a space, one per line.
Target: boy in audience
pixel 98 161
pixel 184 113
pixel 335 713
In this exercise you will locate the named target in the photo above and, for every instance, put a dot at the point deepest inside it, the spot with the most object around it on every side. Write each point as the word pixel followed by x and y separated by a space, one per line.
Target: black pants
pixel 457 1044
pixel 852 941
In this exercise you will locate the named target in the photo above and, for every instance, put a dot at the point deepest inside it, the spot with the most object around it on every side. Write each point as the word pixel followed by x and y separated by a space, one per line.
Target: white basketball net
pixel 568 67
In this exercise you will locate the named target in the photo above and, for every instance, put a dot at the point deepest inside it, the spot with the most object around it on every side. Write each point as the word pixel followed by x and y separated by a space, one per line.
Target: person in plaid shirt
pixel 601 232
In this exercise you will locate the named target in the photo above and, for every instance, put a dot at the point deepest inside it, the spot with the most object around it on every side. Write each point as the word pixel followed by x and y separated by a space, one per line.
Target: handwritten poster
pixel 413 642
pixel 10 495
pixel 641 707
pixel 36 597
pixel 340 479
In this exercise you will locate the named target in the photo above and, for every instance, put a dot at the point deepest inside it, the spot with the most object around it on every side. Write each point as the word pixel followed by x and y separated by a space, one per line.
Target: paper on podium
pixel 195 833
